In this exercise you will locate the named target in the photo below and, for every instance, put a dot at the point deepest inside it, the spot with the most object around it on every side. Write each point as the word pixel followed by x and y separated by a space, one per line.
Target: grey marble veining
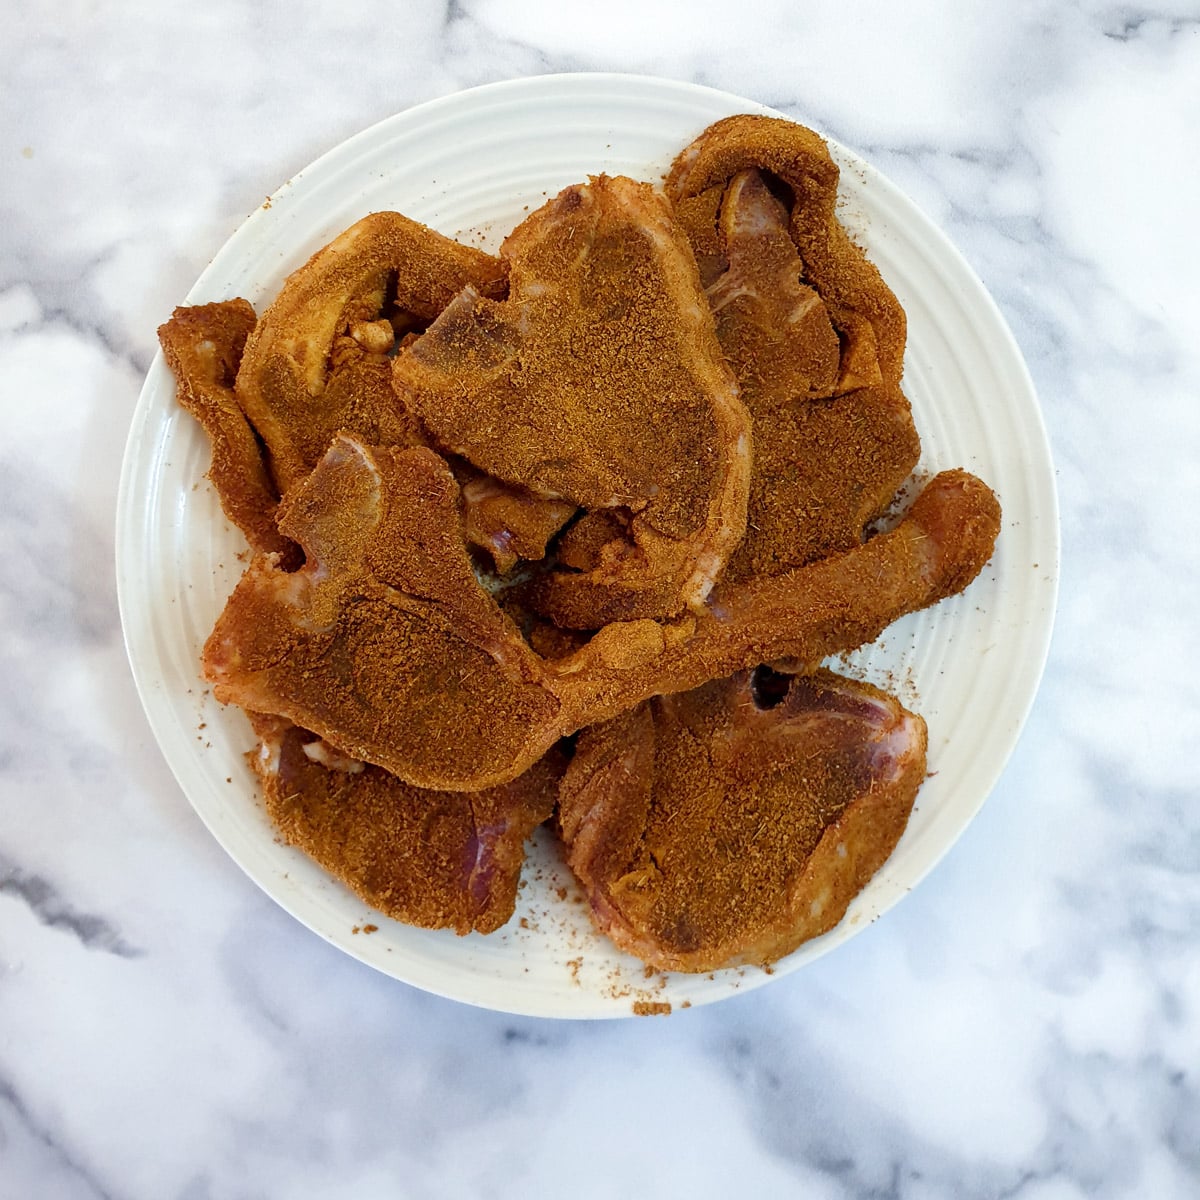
pixel 1026 1024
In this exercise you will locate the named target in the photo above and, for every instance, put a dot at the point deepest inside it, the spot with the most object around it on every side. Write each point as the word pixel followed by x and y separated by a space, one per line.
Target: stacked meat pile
pixel 616 480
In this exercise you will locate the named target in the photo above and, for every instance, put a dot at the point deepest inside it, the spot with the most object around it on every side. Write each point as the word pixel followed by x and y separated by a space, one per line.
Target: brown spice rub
pixel 433 859
pixel 386 646
pixel 598 380
pixel 651 1008
pixel 384 636
pixel 203 346
pixel 318 362
pixel 710 831
pixel 815 337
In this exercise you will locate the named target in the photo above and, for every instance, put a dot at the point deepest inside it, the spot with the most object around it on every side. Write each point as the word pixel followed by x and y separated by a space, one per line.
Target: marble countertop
pixel 1026 1024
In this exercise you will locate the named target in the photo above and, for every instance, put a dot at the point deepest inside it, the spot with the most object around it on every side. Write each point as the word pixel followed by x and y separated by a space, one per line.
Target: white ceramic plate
pixel 469 165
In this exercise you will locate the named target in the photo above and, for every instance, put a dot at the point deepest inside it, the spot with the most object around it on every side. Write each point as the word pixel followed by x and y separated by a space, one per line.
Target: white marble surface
pixel 1026 1025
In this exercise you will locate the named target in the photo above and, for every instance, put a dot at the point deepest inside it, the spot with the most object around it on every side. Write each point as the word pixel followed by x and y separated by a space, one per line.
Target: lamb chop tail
pixel 829 607
pixel 955 521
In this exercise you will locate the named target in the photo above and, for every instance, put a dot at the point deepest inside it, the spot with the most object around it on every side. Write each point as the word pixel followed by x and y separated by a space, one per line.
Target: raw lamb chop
pixel 428 858
pixel 203 346
pixel 814 335
pixel 709 829
pixel 599 381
